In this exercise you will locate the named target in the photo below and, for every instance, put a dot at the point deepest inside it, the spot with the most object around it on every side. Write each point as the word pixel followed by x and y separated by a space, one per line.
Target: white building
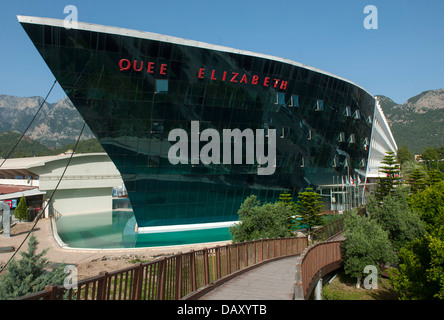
pixel 381 142
pixel 86 186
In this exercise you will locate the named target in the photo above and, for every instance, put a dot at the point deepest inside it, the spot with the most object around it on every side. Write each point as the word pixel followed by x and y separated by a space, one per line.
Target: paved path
pixel 271 281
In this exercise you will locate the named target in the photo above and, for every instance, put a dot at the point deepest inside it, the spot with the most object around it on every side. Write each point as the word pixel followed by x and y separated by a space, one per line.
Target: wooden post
pixel 101 285
pixel 237 256
pixel 161 279
pixel 217 263
pixel 138 279
pixel 228 259
pixel 246 254
pixel 52 288
pixel 193 270
pixel 206 268
pixel 179 276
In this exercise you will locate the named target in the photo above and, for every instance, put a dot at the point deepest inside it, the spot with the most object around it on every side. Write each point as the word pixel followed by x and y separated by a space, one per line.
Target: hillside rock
pixel 419 122
pixel 57 124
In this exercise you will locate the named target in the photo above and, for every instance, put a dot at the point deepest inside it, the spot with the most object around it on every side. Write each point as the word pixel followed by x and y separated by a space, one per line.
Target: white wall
pixel 382 140
pixel 86 186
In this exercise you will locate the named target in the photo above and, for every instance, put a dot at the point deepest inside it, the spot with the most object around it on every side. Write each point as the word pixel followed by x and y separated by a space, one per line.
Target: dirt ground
pixel 91 267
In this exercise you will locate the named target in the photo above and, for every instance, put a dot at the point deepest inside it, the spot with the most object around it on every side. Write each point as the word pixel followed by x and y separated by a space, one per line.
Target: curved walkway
pixel 271 281
pixel 274 280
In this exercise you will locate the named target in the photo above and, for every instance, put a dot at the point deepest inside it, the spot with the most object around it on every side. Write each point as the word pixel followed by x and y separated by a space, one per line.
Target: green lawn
pixel 344 288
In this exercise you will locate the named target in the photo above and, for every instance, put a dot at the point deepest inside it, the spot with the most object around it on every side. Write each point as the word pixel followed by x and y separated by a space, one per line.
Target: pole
pixel 6 219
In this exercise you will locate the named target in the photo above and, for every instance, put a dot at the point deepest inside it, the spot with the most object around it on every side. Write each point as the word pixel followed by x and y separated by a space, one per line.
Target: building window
pixel 157 127
pixel 347 112
pixel 357 115
pixel 294 101
pixel 352 138
pixel 341 137
pixel 309 134
pixel 161 86
pixel 280 98
pixel 319 105
pixel 365 144
pixel 302 162
pixel 285 132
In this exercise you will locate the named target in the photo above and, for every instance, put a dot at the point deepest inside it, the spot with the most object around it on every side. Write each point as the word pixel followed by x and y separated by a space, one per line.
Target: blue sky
pixel 400 59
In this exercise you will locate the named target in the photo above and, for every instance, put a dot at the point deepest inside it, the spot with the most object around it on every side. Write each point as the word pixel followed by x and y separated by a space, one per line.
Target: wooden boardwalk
pixel 271 281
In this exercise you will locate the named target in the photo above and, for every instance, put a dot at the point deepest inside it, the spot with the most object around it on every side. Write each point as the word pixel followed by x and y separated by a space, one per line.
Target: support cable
pixel 29 125
pixel 37 218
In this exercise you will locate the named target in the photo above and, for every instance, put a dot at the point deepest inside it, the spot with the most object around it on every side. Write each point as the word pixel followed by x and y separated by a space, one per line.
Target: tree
pixel 403 155
pixel 396 217
pixel 257 221
pixel 21 212
pixel 420 274
pixel 308 208
pixel 390 178
pixel 366 243
pixel 28 274
pixel 440 152
pixel 434 177
pixel 417 180
pixel 429 203
pixel 287 200
pixel 429 155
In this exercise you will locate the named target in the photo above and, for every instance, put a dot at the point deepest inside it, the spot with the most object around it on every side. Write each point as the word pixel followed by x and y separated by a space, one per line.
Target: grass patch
pixel 343 287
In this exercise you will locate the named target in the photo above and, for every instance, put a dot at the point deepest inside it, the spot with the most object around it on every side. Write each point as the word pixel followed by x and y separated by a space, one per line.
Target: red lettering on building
pixel 233 78
pixel 284 85
pixel 237 77
pixel 162 69
pixel 201 73
pixel 128 64
pixel 150 67
pixel 135 66
pixel 276 81
pixel 212 75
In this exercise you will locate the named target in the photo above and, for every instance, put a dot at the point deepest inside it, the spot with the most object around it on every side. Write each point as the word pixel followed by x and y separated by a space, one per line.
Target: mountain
pixel 26 148
pixel 31 148
pixel 56 124
pixel 419 122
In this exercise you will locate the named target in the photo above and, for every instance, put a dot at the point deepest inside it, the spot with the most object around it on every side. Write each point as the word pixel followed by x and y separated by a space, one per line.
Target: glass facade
pixel 133 91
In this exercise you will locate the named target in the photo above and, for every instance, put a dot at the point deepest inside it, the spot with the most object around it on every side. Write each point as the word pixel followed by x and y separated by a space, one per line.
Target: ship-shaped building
pixel 135 89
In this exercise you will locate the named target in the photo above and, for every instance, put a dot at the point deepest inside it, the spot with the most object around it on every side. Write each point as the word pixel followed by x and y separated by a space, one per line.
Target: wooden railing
pixel 175 276
pixel 179 275
pixel 326 232
pixel 315 262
